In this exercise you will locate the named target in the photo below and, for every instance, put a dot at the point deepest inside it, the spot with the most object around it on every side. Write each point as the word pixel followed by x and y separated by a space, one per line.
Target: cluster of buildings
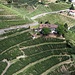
pixel 71 12
pixel 51 26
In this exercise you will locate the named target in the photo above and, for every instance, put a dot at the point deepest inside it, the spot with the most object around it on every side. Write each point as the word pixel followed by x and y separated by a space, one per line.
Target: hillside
pixel 24 50
pixel 57 18
pixel 31 11
pixel 42 56
pixel 10 17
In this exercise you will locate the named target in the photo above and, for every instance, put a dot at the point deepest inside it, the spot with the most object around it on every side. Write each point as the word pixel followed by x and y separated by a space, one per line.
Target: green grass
pixel 73 29
pixel 52 7
pixel 15 17
pixel 58 6
pixel 7 10
pixel 42 9
pixel 57 18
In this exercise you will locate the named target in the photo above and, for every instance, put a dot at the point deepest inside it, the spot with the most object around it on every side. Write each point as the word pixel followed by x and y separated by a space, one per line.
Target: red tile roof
pixel 72 11
pixel 48 25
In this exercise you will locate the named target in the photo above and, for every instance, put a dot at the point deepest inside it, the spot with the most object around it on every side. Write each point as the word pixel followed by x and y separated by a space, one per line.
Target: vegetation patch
pixel 56 18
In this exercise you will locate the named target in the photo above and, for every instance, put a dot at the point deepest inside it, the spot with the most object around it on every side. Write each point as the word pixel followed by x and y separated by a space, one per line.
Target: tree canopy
pixel 60 30
pixel 72 7
pixel 45 31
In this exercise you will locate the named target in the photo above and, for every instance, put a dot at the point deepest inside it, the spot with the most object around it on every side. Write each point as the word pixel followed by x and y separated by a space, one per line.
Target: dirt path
pixel 55 66
pixel 68 17
pixel 18 26
pixel 11 47
pixel 41 44
pixel 43 14
pixel 8 65
pixel 31 64
pixel 27 25
pixel 11 35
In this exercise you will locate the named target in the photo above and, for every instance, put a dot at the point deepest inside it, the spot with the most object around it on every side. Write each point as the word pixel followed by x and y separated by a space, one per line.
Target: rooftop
pixel 72 11
pixel 48 25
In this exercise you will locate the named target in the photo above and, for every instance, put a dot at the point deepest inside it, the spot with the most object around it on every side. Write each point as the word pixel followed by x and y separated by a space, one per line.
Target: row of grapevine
pixel 39 68
pixel 10 17
pixel 24 62
pixel 2 66
pixel 11 41
pixel 37 49
pixel 13 31
pixel 11 54
pixel 59 71
pixel 41 40
pixel 4 24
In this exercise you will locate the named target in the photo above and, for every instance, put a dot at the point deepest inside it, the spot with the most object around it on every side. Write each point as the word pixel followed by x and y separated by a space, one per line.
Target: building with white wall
pixel 72 12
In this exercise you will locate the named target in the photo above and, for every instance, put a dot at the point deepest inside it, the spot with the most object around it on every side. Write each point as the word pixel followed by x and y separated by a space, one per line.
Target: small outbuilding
pixel 51 26
pixel 72 12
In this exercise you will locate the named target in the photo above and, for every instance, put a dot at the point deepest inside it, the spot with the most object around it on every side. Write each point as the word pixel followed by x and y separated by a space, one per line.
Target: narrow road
pixel 27 25
pixel 55 66
pixel 19 26
pixel 43 14
pixel 41 44
pixel 33 63
pixel 8 65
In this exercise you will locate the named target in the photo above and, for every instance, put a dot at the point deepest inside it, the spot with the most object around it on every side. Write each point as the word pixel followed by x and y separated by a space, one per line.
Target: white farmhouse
pixel 72 12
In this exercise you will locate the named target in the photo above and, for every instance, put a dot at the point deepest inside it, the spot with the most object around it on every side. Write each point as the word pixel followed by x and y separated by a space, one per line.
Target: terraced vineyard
pixel 21 55
pixel 10 17
pixel 39 9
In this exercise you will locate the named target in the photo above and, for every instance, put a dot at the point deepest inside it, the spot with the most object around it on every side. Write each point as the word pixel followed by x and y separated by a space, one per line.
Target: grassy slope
pixel 52 7
pixel 8 11
pixel 54 18
pixel 42 9
pixel 58 6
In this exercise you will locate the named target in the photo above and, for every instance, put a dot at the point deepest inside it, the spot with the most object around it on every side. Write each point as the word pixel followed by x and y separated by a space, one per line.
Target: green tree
pixel 60 30
pixel 45 31
pixel 66 27
pixel 72 7
pixel 69 0
pixel 9 1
